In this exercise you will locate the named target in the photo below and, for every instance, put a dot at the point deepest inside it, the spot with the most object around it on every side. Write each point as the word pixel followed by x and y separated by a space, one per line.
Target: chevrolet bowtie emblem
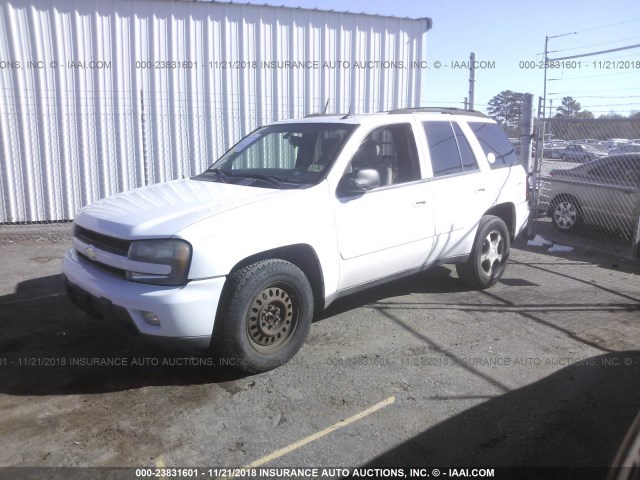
pixel 90 252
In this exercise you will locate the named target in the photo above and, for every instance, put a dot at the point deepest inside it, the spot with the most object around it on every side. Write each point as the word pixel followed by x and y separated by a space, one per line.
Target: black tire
pixel 264 317
pixel 489 255
pixel 566 214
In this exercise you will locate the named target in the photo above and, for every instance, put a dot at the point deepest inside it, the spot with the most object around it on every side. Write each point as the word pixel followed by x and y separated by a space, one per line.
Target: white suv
pixel 295 215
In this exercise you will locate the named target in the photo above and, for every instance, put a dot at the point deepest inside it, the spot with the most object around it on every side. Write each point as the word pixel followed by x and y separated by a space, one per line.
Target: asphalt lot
pixel 541 370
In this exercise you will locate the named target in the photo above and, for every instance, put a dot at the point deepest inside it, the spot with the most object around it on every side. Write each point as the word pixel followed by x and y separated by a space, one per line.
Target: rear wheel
pixel 265 315
pixel 488 259
pixel 565 214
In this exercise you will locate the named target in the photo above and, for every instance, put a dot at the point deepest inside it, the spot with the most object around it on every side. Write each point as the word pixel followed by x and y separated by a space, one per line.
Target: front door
pixel 389 229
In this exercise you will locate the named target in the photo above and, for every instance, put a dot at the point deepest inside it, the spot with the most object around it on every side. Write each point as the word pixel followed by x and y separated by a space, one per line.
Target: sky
pixel 510 32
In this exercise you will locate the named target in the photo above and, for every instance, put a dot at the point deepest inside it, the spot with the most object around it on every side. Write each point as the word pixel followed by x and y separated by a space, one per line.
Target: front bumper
pixel 187 313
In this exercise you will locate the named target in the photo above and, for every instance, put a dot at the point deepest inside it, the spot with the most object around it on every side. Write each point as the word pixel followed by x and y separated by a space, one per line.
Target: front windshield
pixel 281 156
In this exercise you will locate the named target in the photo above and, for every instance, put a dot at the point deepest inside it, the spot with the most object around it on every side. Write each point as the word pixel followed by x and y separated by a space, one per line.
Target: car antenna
pixel 326 105
pixel 348 113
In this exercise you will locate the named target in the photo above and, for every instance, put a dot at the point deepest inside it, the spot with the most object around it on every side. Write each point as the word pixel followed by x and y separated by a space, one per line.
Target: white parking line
pixel 161 465
pixel 321 433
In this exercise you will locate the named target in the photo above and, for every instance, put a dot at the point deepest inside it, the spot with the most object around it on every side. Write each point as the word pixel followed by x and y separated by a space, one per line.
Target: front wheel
pixel 265 315
pixel 489 255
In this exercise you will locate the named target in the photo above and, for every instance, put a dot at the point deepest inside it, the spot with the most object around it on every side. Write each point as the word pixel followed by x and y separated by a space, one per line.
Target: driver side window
pixel 391 151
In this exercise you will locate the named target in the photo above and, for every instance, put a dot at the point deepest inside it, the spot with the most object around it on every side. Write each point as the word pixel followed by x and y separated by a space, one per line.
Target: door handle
pixel 420 203
pixel 480 189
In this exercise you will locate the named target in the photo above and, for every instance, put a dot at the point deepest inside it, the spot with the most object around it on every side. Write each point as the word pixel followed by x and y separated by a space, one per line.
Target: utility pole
pixel 546 61
pixel 526 132
pixel 531 164
pixel 544 94
pixel 472 79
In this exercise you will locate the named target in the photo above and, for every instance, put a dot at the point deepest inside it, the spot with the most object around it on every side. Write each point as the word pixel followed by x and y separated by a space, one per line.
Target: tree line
pixel 506 108
pixel 572 123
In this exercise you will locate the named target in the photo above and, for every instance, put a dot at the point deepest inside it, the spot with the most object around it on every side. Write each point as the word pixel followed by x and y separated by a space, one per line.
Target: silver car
pixel 604 192
pixel 625 148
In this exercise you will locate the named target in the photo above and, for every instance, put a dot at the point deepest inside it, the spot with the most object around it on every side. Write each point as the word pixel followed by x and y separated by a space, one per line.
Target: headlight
pixel 176 254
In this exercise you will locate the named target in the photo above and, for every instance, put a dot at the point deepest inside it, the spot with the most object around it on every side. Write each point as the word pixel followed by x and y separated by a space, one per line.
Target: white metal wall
pixel 72 131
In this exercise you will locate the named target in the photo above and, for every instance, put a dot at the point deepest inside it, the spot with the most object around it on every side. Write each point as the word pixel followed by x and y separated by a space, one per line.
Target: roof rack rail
pixel 445 110
pixel 324 115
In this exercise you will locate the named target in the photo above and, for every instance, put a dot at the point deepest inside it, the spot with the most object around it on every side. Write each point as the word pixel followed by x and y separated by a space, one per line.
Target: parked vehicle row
pixel 582 151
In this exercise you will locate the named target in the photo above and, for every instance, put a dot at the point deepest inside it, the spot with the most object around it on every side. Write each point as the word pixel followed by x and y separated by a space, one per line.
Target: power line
pixel 601 108
pixel 595 53
pixel 592 76
pixel 597 108
pixel 590 91
pixel 600 96
pixel 624 56
pixel 610 111
pixel 610 25
pixel 609 58
pixel 600 105
pixel 594 45
pixel 607 105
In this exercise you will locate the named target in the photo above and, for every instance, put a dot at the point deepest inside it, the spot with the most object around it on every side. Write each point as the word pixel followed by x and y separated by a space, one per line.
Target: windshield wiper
pixel 266 178
pixel 222 175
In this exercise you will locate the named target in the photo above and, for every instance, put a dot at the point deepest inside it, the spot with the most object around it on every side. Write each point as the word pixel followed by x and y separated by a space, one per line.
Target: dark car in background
pixel 604 192
pixel 582 152
pixel 554 150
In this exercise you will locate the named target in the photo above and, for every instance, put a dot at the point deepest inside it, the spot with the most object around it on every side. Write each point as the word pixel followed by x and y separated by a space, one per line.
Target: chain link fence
pixel 587 191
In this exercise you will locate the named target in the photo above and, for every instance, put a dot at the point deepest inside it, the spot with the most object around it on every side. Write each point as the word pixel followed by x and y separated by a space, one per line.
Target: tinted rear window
pixel 494 141
pixel 445 158
pixel 466 154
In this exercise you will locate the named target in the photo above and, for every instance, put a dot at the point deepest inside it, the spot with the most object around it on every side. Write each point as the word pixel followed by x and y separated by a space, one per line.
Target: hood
pixel 163 209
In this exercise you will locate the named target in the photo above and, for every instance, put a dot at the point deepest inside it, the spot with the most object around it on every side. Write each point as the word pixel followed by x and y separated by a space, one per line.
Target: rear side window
pixel 495 144
pixel 449 149
pixel 466 154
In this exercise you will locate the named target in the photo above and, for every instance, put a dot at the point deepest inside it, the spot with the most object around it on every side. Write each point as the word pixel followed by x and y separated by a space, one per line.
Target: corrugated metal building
pixel 98 97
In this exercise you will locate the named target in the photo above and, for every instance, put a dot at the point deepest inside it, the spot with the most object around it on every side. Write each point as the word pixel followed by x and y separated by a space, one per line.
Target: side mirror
pixel 363 180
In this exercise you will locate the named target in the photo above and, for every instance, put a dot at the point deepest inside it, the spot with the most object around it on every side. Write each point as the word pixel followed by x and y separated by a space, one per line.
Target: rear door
pixel 461 191
pixel 613 197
